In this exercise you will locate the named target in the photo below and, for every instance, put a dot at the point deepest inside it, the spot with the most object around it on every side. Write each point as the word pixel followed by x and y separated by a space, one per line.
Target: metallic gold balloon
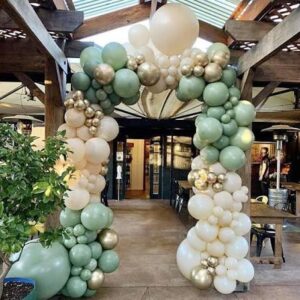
pixel 148 73
pixel 99 114
pixel 211 271
pixel 93 130
pixel 198 71
pixel 69 103
pixel 88 122
pixel 86 102
pixel 201 185
pixel 211 177
pixel 89 112
pixel 108 239
pixel 202 59
pixel 192 176
pixel 104 73
pixel 186 70
pixel 221 58
pixel 204 264
pixel 104 170
pixel 79 105
pixel 212 261
pixel 131 64
pixel 96 122
pixel 202 174
pixel 140 59
pixel 217 187
pixel 212 72
pixel 78 95
pixel 221 178
pixel 201 278
pixel 96 280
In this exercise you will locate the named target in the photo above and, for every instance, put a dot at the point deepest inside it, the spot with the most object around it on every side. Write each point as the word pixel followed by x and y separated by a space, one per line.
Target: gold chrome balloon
pixel 140 59
pixel 221 58
pixel 89 112
pixel 217 187
pixel 212 261
pixel 202 174
pixel 79 105
pixel 131 64
pixel 96 122
pixel 99 114
pixel 88 122
pixel 97 279
pixel 108 239
pixel 69 103
pixel 211 177
pixel 192 176
pixel 201 185
pixel 204 264
pixel 104 73
pixel 86 102
pixel 211 271
pixel 104 170
pixel 93 130
pixel 148 73
pixel 221 178
pixel 186 70
pixel 198 71
pixel 202 59
pixel 78 95
pixel 201 278
pixel 212 72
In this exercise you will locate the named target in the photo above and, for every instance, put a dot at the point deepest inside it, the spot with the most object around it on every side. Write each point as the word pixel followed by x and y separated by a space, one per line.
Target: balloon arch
pixel 161 58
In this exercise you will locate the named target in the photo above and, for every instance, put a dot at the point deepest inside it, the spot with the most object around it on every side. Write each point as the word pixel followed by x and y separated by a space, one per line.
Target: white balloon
pixel 226 235
pixel 93 168
pixel 240 196
pixel 95 198
pixel 163 61
pixel 231 263
pixel 221 270
pixel 83 182
pixel 206 231
pixel 70 131
pixel 80 164
pixel 74 118
pixel 108 129
pixel 200 206
pixel 175 61
pixel 218 211
pixel 237 206
pixel 238 248
pixel 76 149
pixel 99 185
pixel 198 163
pixel 84 133
pixel 233 182
pixel 232 274
pixel 223 199
pixel 187 258
pixel 204 255
pixel 217 168
pixel 226 218
pixel 148 53
pixel 224 285
pixel 77 198
pixel 243 224
pixel 195 241
pixel 245 270
pixel 213 220
pixel 215 248
pixel 138 35
pixel 170 80
pixel 97 150
pixel 245 189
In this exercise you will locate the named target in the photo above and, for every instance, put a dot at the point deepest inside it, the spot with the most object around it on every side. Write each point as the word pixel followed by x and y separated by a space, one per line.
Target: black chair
pixel 174 192
pixel 104 194
pixel 182 199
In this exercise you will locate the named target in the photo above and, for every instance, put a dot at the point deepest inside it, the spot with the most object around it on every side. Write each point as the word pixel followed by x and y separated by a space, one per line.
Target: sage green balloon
pixel 92 265
pixel 76 270
pixel 108 89
pixel 94 216
pixel 215 47
pixel 209 130
pixel 106 104
pixel 232 158
pixel 69 217
pixel 91 235
pixel 243 138
pixel 225 119
pixel 110 215
pixel 222 142
pixel 108 111
pixel 92 52
pixel 234 92
pixel 78 230
pixel 126 83
pixel 96 85
pixel 64 291
pixel 96 249
pixel 69 242
pixel 69 230
pixel 82 239
pixel 90 95
pixel 90 293
pixel 228 105
pixel 80 81
pixel 115 55
pixel 198 143
pixel 90 65
pixel 200 117
pixel 230 128
pixel 229 76
pixel 234 100
pixel 209 154
pixel 190 88
pixel 85 274
pixel 244 113
pixel 216 112
pixel 215 94
pixel 114 99
pixel 76 287
pixel 101 95
pixel 80 255
pixel 132 100
pixel 108 261
pixel 49 267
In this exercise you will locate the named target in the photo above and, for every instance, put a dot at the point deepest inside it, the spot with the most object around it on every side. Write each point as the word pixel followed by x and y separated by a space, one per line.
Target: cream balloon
pixel 108 129
pixel 200 206
pixel 198 163
pixel 158 87
pixel 74 118
pixel 93 168
pixel 94 198
pixel 238 248
pixel 218 211
pixel 226 218
pixel 84 133
pixel 221 270
pixel 243 224
pixel 224 285
pixel 226 235
pixel 98 186
pixel 245 189
pixel 70 131
pixel 148 53
pixel 209 191
pixel 206 231
pixel 165 33
pixel 83 182
pixel 187 258
pixel 97 150
pixel 195 241
pixel 77 198
pixel 215 248
pixel 231 263
pixel 174 61
pixel 237 206
pixel 217 168
pixel 245 270
pixel 76 149
pixel 240 196
pixel 213 220
pixel 233 182
pixel 138 35
pixel 224 200
pixel 81 164
pixel 232 274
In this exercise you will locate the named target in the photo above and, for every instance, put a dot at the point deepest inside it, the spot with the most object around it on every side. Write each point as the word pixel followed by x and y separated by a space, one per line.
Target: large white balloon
pixel 217 168
pixel 108 129
pixel 221 270
pixel 77 198
pixel 70 131
pixel 226 235
pixel 200 206
pixel 138 35
pixel 97 150
pixel 198 163
pixel 195 241
pixel 206 231
pixel 224 285
pixel 215 248
pixel 80 164
pixel 224 200
pixel 74 118
pixel 245 270
pixel 243 224
pixel 238 248
pixel 233 182
pixel 76 150
pixel 187 258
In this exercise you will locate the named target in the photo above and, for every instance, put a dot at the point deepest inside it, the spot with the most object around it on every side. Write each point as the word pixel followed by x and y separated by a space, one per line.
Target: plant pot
pixel 32 294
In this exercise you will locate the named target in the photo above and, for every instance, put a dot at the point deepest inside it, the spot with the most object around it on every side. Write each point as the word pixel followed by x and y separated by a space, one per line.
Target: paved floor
pixel 150 233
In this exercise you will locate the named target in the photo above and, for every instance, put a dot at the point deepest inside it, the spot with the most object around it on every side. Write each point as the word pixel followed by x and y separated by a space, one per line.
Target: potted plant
pixel 30 190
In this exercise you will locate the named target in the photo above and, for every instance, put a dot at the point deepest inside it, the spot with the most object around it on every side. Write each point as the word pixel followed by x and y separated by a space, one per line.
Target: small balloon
pixel 201 278
pixel 148 73
pixel 108 239
pixel 96 280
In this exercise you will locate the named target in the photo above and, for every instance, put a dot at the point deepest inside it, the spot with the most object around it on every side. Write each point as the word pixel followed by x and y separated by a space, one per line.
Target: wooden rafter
pixel 247 85
pixel 25 16
pixel 272 42
pixel 252 10
pixel 212 33
pixel 261 98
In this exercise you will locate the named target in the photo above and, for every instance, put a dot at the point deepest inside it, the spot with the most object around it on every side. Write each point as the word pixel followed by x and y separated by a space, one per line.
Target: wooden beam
pixel 74 48
pixel 252 10
pixel 272 42
pixel 261 98
pixel 60 4
pixel 30 84
pixel 212 33
pixel 53 20
pixel 247 85
pixel 25 16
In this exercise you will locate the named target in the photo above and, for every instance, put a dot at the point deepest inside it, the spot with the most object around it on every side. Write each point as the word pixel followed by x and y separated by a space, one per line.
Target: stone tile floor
pixel 150 233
